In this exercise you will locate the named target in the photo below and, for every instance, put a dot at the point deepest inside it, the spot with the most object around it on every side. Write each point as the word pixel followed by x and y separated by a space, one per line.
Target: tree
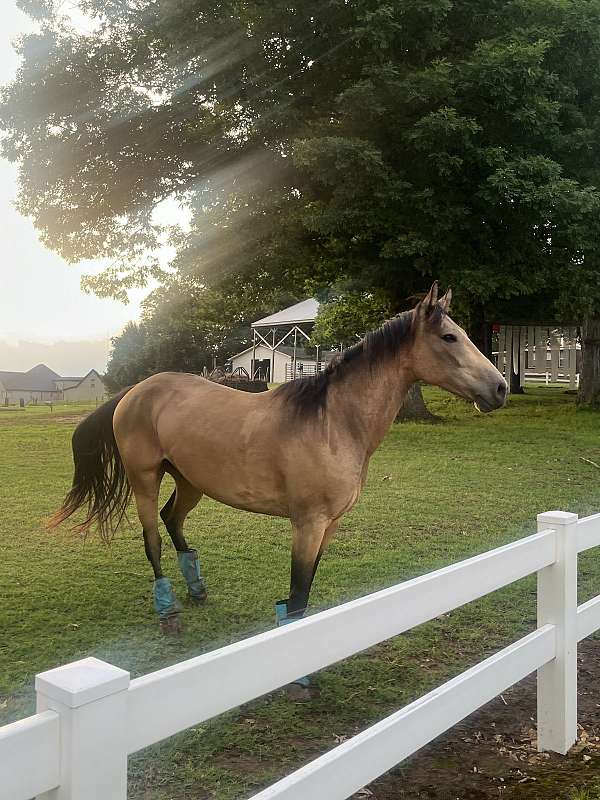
pixel 347 316
pixel 385 143
pixel 128 362
pixel 187 327
pixel 589 392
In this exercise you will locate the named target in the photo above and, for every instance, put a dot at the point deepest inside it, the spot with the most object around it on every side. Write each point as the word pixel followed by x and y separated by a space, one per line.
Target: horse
pixel 299 451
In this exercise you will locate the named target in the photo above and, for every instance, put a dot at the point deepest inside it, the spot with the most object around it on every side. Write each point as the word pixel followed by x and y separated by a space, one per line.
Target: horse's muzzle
pixel 492 399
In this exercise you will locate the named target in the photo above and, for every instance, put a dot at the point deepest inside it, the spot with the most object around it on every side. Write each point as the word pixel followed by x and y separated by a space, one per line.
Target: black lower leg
pixel 177 537
pixel 174 529
pixel 301 581
pixel 165 511
pixel 152 546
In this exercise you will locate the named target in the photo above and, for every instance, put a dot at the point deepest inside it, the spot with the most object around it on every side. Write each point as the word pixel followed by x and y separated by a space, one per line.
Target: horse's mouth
pixel 483 405
pixel 480 402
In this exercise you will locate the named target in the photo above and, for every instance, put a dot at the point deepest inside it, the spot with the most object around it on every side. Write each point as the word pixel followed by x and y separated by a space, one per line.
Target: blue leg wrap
pixel 165 602
pixel 190 569
pixel 281 615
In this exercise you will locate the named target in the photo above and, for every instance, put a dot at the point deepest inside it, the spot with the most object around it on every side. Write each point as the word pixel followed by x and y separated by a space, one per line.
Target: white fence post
pixel 557 605
pixel 91 698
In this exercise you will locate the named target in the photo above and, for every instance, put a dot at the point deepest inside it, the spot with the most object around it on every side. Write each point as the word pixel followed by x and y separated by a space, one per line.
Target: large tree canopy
pixel 380 143
pixel 372 139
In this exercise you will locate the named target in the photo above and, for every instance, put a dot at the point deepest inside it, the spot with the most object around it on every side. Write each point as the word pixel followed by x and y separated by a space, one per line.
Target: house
pixel 42 385
pixel 280 350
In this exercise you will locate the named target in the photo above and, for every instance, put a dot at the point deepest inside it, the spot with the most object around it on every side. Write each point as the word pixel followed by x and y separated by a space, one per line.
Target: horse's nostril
pixel 502 389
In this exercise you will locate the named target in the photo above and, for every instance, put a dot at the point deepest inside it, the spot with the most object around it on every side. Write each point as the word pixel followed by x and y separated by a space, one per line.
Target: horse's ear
pixel 444 302
pixel 429 302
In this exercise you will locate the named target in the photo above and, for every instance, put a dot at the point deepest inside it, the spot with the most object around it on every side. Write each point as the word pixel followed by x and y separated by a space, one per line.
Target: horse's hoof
pixel 199 599
pixel 298 693
pixel 171 625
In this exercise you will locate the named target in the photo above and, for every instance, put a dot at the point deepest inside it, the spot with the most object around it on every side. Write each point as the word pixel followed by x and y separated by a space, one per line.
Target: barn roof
pixel 302 312
pixel 38 379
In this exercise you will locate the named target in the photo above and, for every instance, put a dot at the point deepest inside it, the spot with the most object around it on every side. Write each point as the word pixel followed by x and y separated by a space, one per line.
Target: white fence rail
pixel 91 707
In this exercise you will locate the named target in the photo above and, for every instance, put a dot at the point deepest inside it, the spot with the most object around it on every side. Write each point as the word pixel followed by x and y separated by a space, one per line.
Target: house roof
pixel 305 311
pixel 80 380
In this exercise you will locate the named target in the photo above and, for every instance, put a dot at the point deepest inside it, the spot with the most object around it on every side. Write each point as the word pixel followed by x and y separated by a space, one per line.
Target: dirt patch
pixel 493 754
pixel 16 418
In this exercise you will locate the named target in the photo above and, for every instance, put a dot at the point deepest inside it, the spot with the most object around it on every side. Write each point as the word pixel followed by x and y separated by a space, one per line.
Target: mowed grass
pixel 435 494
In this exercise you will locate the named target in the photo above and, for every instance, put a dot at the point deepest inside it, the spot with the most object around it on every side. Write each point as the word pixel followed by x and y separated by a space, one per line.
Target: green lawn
pixel 434 495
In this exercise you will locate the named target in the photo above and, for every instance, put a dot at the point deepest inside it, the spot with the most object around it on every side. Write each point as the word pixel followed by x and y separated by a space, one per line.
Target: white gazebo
pixel 278 350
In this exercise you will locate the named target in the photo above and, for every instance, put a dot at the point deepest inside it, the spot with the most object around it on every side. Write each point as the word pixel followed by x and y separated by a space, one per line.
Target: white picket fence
pixel 91 716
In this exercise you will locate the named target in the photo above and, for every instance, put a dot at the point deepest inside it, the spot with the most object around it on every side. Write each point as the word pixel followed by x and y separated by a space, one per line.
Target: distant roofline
pixel 81 380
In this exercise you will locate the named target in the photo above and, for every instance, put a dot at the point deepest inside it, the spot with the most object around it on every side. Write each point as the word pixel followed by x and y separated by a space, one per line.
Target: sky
pixel 44 315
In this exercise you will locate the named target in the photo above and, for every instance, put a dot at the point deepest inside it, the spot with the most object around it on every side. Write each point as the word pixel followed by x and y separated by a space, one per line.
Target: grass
pixel 591 793
pixel 434 495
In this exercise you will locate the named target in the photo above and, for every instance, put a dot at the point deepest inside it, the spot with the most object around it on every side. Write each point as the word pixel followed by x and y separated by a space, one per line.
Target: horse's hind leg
pixel 145 489
pixel 178 506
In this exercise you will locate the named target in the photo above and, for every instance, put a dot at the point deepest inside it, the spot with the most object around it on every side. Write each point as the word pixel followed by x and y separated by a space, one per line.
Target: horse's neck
pixel 368 397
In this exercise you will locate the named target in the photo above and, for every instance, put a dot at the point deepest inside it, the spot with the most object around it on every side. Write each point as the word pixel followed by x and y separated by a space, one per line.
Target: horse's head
pixel 445 356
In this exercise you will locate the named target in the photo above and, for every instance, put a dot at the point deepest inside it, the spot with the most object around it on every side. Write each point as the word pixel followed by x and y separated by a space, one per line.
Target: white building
pixel 279 351
pixel 42 385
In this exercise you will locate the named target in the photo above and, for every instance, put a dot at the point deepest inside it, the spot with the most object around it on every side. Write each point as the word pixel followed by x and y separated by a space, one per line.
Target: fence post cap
pixel 551 518
pixel 82 682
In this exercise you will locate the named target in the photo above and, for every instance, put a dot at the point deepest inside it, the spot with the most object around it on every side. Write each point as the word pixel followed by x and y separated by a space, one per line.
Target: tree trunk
pixel 515 384
pixel 480 331
pixel 589 387
pixel 414 409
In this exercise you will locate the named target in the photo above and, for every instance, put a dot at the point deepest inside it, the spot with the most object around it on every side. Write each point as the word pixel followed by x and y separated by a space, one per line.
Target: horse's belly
pixel 240 482
pixel 246 501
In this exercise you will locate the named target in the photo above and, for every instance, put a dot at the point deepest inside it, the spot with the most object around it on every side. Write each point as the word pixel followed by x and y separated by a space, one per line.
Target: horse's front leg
pixel 309 541
pixel 308 544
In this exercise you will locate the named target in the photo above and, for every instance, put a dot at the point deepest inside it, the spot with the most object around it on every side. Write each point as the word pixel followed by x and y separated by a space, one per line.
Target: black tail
pixel 100 484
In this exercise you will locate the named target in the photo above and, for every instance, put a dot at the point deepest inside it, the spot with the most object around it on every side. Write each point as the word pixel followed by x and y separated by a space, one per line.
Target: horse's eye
pixel 449 337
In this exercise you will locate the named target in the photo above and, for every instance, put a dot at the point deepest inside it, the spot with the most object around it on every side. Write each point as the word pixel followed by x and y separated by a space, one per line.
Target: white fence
pixel 91 716
pixel 539 354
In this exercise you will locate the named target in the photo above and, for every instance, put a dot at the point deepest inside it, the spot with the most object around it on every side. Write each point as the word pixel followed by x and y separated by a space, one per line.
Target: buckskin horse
pixel 299 451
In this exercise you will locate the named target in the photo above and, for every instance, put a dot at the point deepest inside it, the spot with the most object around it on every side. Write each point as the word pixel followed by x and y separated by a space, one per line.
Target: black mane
pixel 309 395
